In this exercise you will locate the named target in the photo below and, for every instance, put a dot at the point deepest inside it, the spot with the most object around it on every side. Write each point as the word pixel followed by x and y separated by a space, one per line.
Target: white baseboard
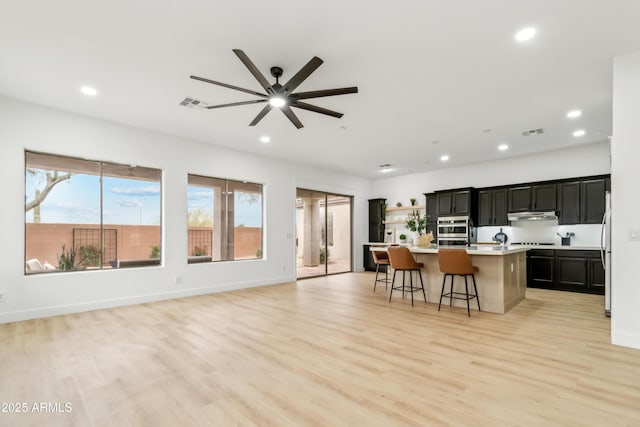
pixel 626 340
pixel 37 313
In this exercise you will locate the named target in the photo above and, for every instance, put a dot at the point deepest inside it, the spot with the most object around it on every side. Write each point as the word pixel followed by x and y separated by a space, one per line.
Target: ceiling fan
pixel 281 96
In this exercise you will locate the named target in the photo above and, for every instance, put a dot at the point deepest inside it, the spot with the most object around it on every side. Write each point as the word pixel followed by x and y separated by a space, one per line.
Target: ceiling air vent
pixel 192 103
pixel 532 132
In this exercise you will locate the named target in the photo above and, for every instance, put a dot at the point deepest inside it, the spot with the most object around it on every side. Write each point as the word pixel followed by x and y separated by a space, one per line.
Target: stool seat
pixel 457 262
pixel 401 260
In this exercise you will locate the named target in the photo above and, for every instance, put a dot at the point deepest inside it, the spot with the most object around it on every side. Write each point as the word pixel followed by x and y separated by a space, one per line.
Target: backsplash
pixel 544 231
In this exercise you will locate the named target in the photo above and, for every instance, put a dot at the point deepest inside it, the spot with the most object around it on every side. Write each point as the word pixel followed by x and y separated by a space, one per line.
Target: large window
pixel 83 215
pixel 224 219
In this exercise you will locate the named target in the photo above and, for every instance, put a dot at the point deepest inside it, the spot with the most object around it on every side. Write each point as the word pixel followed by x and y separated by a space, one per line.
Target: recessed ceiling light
pixel 88 90
pixel 525 34
pixel 503 147
pixel 277 101
pixel 435 142
pixel 265 139
pixel 579 133
pixel 574 113
pixel 487 130
pixel 444 158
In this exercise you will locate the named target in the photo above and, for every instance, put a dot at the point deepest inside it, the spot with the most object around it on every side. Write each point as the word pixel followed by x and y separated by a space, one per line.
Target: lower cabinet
pixel 541 268
pixel 369 265
pixel 566 270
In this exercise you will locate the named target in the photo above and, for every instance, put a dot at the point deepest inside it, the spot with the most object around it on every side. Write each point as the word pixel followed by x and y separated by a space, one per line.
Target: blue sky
pixel 126 201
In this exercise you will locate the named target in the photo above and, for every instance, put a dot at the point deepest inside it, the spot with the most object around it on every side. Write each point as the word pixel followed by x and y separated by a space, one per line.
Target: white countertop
pixel 484 249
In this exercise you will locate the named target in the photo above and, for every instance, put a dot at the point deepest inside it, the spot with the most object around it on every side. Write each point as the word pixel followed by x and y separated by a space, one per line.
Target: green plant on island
pixel 67 259
pixel 416 222
pixel 402 237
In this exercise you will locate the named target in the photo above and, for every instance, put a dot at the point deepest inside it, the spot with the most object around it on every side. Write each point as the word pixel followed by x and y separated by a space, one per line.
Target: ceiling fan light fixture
pixel 277 101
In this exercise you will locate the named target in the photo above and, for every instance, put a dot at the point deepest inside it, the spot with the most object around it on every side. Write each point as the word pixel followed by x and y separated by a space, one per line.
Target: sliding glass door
pixel 323 233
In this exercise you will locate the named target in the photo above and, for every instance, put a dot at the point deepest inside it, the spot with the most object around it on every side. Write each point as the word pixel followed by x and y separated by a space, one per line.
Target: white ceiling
pixel 427 71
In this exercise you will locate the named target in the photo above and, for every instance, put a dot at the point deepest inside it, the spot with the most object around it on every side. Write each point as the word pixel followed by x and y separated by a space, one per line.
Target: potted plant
pixel 416 222
pixel 413 201
pixel 403 238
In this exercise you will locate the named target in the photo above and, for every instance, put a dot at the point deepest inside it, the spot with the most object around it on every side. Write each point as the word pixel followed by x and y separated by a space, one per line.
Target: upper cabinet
pixel 582 202
pixel 462 202
pixel 376 218
pixel 537 197
pixel 592 200
pixel 492 207
pixel 432 208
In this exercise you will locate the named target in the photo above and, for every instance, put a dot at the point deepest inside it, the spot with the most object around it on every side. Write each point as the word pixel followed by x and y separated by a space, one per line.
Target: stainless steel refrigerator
pixel 605 253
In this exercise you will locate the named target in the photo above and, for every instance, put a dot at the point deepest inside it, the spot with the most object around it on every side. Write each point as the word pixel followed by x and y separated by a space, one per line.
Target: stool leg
pixel 422 284
pixel 392 283
pixel 451 292
pixel 386 276
pixel 404 293
pixel 411 282
pixel 444 283
pixel 473 276
pixel 466 290
pixel 376 281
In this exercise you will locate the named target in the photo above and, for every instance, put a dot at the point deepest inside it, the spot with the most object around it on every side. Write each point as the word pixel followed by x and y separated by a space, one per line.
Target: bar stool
pixel 457 262
pixel 401 260
pixel 381 258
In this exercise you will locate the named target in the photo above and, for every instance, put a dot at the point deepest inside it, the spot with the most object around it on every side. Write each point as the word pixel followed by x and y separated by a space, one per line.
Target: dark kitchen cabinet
pixel 462 202
pixel 376 219
pixel 541 268
pixel 571 271
pixel 432 214
pixel 368 263
pixel 537 197
pixel 432 208
pixel 582 202
pixel 569 202
pixel 592 200
pixel 492 207
pixel 566 270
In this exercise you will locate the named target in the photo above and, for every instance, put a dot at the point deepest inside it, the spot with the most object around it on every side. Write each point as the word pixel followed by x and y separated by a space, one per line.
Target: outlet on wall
pixel 179 279
pixel 2 298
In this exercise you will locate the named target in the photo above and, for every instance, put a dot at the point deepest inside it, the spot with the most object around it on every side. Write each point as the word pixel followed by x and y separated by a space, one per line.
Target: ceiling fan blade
pixel 316 109
pixel 233 104
pixel 326 92
pixel 291 116
pixel 253 70
pixel 261 114
pixel 202 79
pixel 301 75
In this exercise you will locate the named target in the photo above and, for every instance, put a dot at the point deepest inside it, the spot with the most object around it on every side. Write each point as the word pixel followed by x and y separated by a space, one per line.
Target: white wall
pixel 625 198
pixel 26 126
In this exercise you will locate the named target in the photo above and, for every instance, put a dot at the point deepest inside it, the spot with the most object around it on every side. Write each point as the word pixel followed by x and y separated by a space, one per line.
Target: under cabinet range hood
pixel 532 216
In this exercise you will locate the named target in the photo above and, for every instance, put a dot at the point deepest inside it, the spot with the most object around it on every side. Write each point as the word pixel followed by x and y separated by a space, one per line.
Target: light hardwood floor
pixel 323 352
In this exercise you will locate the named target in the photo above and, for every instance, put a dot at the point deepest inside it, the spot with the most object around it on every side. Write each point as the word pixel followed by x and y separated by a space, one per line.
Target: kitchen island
pixel 501 279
